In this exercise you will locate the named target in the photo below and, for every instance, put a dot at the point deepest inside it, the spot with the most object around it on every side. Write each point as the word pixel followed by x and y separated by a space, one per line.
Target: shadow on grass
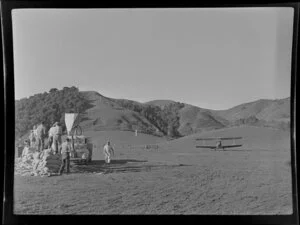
pixel 248 150
pixel 116 161
pixel 236 150
pixel 119 166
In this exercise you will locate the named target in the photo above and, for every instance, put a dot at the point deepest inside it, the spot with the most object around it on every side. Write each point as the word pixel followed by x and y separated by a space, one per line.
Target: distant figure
pixel 108 151
pixel 32 138
pixel 41 135
pixel 219 144
pixel 65 156
pixel 56 132
pixel 136 132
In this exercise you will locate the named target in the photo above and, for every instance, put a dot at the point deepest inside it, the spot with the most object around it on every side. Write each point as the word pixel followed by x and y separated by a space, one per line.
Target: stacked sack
pixel 46 163
pixel 24 165
pixel 81 150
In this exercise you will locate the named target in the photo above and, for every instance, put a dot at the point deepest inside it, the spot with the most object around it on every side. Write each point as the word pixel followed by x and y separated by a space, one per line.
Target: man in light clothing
pixel 56 132
pixel 108 151
pixel 41 134
pixel 65 156
pixel 32 138
pixel 50 136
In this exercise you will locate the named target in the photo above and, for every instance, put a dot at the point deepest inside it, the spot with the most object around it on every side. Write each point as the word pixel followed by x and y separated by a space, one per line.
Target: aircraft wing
pixel 218 138
pixel 231 146
pixel 211 147
pixel 231 138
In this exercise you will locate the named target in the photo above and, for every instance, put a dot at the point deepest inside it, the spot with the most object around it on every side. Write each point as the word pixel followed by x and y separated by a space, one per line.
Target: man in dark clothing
pixel 65 156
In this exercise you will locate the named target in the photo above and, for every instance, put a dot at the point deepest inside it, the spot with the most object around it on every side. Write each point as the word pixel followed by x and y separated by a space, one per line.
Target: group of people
pixel 39 134
pixel 66 150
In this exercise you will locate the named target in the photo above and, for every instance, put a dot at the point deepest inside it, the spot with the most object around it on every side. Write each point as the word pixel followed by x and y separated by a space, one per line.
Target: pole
pixel 73 148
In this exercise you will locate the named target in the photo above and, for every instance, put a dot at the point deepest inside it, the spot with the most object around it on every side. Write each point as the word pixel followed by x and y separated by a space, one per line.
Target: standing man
pixel 108 150
pixel 26 149
pixel 56 133
pixel 41 135
pixel 65 156
pixel 32 138
pixel 50 137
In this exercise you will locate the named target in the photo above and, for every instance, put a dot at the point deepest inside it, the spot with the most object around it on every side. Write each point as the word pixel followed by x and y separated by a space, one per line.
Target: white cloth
pixel 70 119
pixel 107 158
pixel 51 132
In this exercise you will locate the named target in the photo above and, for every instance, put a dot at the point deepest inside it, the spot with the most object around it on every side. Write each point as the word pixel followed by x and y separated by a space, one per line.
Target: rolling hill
pixel 261 113
pixel 193 119
pixel 107 114
pixel 264 109
pixel 158 117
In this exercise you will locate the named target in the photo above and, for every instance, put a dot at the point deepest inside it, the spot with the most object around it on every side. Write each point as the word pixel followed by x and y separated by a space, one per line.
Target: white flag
pixel 70 118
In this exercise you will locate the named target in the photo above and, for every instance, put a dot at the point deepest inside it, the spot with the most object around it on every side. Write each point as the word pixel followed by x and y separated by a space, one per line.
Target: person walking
pixel 108 151
pixel 65 156
pixel 41 135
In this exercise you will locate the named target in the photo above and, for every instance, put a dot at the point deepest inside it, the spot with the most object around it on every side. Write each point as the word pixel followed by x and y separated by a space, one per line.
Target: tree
pixel 48 107
pixel 52 90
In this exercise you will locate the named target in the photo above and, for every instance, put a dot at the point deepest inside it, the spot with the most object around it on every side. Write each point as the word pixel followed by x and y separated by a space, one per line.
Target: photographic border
pixel 9 119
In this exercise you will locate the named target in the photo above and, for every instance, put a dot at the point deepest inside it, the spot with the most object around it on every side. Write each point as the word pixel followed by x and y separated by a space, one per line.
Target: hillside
pixel 194 119
pixel 107 114
pixel 261 113
pixel 264 109
pixel 158 117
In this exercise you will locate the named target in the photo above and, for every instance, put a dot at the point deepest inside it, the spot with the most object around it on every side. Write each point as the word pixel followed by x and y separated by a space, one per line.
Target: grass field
pixel 176 178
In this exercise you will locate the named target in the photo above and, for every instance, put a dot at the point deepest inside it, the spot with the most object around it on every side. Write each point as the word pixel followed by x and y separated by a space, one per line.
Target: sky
pixel 211 58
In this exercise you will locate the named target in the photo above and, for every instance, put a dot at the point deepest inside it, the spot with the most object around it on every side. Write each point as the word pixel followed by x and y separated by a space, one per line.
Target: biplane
pixel 219 145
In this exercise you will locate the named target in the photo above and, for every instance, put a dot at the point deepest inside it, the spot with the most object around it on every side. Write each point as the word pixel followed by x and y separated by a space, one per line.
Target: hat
pixel 56 123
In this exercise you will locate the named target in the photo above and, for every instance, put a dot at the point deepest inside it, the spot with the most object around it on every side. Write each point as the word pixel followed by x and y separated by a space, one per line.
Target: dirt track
pixel 166 181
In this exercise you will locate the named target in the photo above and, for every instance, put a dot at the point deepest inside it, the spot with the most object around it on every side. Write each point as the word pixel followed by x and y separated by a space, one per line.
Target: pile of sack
pixel 35 163
pixel 81 151
pixel 24 164
pixel 46 163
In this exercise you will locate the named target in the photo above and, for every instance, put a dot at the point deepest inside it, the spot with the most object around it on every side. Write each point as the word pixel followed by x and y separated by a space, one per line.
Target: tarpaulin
pixel 70 119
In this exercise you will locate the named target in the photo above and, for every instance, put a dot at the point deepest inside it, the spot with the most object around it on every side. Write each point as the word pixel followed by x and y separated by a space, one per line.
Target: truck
pixel 81 145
